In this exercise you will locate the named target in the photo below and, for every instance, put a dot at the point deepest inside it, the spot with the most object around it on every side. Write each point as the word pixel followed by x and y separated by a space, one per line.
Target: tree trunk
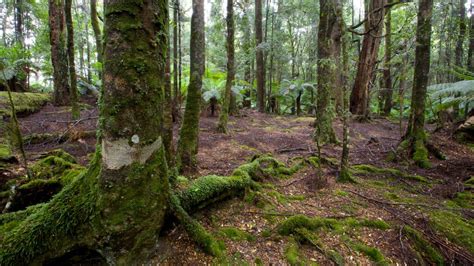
pixel 368 57
pixel 19 23
pixel 247 44
pixel 189 135
pixel 176 90
pixel 59 58
pixel 118 205
pixel 415 134
pixel 168 106
pixel 97 32
pixel 462 33
pixel 224 115
pixel 329 40
pixel 470 54
pixel 260 74
pixel 70 55
pixel 387 74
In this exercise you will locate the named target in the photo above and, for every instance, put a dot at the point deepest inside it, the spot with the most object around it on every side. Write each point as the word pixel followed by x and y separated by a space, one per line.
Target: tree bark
pixel 19 23
pixel 70 55
pixel 176 90
pixel 169 105
pixel 367 59
pixel 387 74
pixel 329 40
pixel 415 134
pixel 260 73
pixel 224 115
pixel 470 57
pixel 97 32
pixel 59 58
pixel 189 134
pixel 462 33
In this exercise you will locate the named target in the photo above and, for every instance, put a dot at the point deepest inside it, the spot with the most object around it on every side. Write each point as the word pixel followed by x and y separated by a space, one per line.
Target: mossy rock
pixel 55 164
pixel 25 102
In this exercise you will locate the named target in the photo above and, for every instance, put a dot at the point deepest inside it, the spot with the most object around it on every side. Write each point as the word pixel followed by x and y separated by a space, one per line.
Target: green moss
pixel 5 151
pixel 292 254
pixel 56 165
pixel 454 228
pixel 363 169
pixel 420 154
pixel 373 253
pixel 284 199
pixel 464 199
pixel 236 234
pixel 305 236
pixel 423 246
pixel 25 102
pixel 340 193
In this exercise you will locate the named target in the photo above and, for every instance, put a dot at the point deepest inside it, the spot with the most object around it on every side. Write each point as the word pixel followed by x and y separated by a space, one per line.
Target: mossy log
pixel 59 137
pixel 70 219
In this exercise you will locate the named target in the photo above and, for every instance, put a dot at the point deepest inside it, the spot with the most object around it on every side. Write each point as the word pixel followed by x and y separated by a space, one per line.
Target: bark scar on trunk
pixel 118 153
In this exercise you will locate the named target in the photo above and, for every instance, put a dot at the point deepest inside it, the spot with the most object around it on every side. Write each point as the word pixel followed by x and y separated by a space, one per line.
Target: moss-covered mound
pixel 25 102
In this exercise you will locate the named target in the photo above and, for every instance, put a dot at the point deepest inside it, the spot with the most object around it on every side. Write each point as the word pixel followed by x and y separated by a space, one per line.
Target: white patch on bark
pixel 118 153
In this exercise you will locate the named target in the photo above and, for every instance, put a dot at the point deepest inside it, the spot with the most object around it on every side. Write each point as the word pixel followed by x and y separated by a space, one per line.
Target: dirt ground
pixel 311 191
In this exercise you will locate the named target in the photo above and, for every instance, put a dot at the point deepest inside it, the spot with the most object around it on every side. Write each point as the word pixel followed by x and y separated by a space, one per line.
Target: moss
pixel 292 254
pixel 423 246
pixel 266 233
pixel 362 169
pixel 305 236
pixel 464 199
pixel 341 193
pixel 345 177
pixel 373 253
pixel 25 102
pixel 454 228
pixel 284 199
pixel 236 234
pixel 420 154
pixel 5 151
pixel 56 165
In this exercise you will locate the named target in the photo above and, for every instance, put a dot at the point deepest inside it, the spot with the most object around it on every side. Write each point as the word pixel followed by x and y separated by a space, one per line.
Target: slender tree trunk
pixel 70 55
pixel 462 33
pixel 59 58
pixel 176 90
pixel 19 23
pixel 387 74
pixel 470 54
pixel 169 104
pixel 368 57
pixel 189 134
pixel 97 31
pixel 260 74
pixel 247 44
pixel 224 115
pixel 328 61
pixel 415 134
pixel 270 69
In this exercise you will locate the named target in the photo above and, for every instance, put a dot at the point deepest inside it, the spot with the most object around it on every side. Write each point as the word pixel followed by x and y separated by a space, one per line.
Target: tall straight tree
pixel 117 206
pixel 176 90
pixel 470 54
pixel 415 136
pixel 387 74
pixel 19 7
pixel 260 68
pixel 329 45
pixel 97 32
pixel 224 115
pixel 367 59
pixel 461 34
pixel 189 135
pixel 59 59
pixel 70 56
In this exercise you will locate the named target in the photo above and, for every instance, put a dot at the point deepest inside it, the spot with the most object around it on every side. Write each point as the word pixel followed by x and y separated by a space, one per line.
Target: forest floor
pixel 436 202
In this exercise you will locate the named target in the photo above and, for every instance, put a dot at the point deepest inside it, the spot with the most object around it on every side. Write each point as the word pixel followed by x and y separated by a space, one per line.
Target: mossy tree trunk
pixel 176 89
pixel 415 135
pixel 387 74
pixel 62 90
pixel 168 109
pixel 189 134
pixel 118 205
pixel 462 33
pixel 224 115
pixel 70 56
pixel 97 32
pixel 470 53
pixel 367 60
pixel 260 73
pixel 329 40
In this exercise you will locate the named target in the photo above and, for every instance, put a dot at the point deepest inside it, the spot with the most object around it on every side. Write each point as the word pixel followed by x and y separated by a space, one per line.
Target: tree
pixel 224 115
pixel 59 59
pixel 70 55
pixel 19 6
pixel 176 89
pixel 260 68
pixel 470 55
pixel 367 59
pixel 119 204
pixel 189 134
pixel 462 33
pixel 97 31
pixel 415 138
pixel 387 74
pixel 329 45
